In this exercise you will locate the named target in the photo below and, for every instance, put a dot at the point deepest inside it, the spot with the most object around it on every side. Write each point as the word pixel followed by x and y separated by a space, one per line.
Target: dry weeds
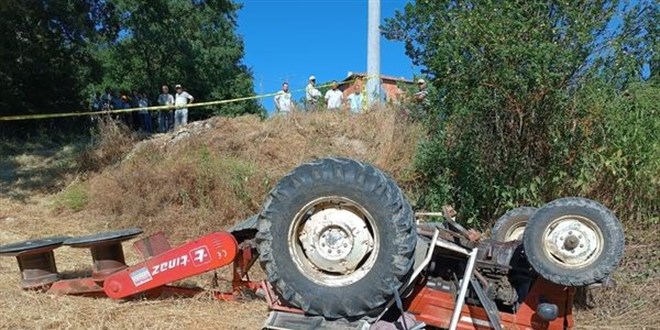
pixel 217 172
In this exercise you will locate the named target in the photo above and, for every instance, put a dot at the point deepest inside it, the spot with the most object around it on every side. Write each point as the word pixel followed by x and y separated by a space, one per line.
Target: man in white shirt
pixel 165 116
pixel 181 99
pixel 334 97
pixel 283 100
pixel 312 94
pixel 355 100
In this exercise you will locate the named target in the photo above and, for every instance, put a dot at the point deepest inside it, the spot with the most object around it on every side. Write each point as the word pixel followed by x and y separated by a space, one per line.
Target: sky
pixel 289 40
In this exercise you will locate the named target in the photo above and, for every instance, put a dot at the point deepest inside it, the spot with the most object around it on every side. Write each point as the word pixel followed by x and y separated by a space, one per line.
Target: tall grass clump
pixel 110 141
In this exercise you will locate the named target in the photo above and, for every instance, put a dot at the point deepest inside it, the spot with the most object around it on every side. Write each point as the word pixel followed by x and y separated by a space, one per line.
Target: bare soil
pixel 206 178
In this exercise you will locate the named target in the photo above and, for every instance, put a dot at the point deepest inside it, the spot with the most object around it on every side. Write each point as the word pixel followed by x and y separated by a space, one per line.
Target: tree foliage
pixel 56 53
pixel 515 82
pixel 47 53
pixel 192 43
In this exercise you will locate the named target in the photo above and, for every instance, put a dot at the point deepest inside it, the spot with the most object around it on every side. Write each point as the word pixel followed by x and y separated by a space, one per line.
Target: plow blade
pixel 207 253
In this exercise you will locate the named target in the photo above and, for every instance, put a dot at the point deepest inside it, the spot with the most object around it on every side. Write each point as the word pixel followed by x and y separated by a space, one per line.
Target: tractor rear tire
pixel 336 238
pixel 573 241
pixel 511 225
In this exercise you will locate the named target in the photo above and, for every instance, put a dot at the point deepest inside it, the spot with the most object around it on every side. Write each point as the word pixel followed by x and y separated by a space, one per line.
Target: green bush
pixel 609 149
pixel 536 100
pixel 75 197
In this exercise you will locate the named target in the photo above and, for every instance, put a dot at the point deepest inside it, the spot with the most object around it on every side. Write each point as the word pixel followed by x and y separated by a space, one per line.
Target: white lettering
pixel 169 264
pixel 199 255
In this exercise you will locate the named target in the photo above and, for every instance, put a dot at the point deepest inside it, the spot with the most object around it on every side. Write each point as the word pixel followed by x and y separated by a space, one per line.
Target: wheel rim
pixel 573 241
pixel 515 232
pixel 333 241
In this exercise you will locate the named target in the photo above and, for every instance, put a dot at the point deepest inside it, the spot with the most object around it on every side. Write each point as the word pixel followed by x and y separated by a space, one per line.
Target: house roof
pixel 353 75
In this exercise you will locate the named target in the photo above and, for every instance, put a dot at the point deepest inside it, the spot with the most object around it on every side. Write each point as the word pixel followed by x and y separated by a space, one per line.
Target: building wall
pixel 390 88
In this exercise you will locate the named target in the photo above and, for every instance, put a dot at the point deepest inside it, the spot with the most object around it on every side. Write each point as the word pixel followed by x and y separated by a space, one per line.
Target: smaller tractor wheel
pixel 511 226
pixel 573 241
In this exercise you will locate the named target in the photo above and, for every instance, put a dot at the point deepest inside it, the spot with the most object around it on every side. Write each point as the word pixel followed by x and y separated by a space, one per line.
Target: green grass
pixel 75 197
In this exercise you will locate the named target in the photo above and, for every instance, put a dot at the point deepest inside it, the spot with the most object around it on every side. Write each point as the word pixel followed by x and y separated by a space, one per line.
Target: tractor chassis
pixel 421 302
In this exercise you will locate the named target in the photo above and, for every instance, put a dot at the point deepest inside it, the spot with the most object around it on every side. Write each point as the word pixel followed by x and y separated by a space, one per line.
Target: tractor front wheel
pixel 573 241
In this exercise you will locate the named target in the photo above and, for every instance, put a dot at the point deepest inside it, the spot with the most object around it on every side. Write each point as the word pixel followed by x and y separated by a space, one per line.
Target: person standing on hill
pixel 106 99
pixel 181 99
pixel 355 100
pixel 283 100
pixel 334 97
pixel 165 116
pixel 421 98
pixel 145 116
pixel 422 93
pixel 312 95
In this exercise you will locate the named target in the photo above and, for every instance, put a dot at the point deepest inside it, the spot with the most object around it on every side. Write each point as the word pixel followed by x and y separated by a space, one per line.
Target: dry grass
pixel 634 302
pixel 217 172
pixel 210 176
pixel 32 310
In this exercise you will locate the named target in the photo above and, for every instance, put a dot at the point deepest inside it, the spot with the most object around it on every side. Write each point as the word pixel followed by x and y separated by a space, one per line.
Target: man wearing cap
pixel 422 101
pixel 334 97
pixel 312 94
pixel 181 99
pixel 420 96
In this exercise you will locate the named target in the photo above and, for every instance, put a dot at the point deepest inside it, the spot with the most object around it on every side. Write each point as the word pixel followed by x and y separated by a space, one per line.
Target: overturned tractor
pixel 342 248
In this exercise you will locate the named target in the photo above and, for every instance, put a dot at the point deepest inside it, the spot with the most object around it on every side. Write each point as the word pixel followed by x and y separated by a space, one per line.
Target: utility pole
pixel 373 52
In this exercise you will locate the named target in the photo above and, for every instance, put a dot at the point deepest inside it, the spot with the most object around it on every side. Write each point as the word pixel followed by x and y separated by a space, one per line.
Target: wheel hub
pixel 574 242
pixel 336 240
pixel 515 233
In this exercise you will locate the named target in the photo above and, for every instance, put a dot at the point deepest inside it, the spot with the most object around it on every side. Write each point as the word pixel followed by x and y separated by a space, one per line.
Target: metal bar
pixel 206 253
pixel 453 247
pixel 489 306
pixel 464 287
pixel 416 272
pixel 426 260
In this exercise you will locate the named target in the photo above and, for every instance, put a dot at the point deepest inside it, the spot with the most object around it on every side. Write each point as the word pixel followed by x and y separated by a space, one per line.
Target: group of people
pixel 334 98
pixel 142 119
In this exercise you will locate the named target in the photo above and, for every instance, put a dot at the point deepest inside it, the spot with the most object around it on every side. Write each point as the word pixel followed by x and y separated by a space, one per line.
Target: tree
pixel 505 74
pixel 46 53
pixel 192 43
pixel 55 54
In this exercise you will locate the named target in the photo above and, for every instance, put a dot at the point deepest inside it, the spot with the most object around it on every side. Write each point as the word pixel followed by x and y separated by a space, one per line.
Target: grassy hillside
pixel 217 172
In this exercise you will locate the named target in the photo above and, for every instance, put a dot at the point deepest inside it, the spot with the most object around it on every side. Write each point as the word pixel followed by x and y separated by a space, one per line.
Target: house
pixel 390 86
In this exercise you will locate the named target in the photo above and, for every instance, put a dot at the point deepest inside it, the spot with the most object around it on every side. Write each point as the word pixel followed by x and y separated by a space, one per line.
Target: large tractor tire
pixel 573 241
pixel 337 238
pixel 511 225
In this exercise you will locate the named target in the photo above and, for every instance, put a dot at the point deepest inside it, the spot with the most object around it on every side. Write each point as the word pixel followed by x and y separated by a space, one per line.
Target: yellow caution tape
pixel 153 108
